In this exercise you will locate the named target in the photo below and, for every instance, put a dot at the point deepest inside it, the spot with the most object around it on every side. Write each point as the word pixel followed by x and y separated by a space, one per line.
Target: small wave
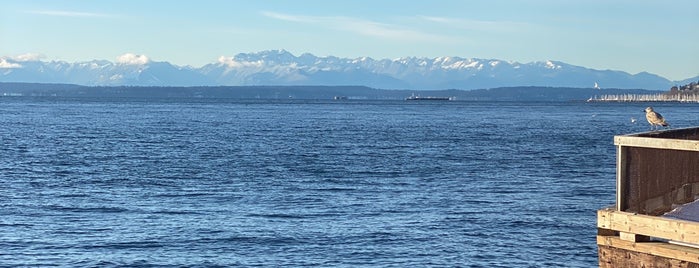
pixel 71 195
pixel 23 225
pixel 131 245
pixel 88 231
pixel 261 240
pixel 335 189
pixel 276 216
pixel 185 194
pixel 87 209
pixel 178 212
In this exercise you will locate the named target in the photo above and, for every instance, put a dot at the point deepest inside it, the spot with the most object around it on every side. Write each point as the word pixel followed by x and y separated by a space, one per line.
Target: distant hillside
pixel 305 92
pixel 279 67
pixel 691 88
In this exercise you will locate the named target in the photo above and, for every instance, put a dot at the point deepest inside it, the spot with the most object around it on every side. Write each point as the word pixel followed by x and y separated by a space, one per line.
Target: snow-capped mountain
pixel 279 67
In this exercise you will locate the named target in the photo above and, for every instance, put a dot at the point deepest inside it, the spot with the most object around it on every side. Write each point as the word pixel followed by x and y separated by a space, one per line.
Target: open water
pixel 221 183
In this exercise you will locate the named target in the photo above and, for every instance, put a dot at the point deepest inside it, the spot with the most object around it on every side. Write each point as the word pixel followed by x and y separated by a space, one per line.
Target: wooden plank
pixel 658 227
pixel 633 237
pixel 610 257
pixel 658 249
pixel 659 143
pixel 607 232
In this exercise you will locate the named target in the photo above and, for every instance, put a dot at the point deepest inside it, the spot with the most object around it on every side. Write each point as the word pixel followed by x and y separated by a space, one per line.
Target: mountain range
pixel 281 68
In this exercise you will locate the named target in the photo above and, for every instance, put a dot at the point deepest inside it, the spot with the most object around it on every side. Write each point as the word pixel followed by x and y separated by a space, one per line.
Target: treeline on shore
pixel 528 93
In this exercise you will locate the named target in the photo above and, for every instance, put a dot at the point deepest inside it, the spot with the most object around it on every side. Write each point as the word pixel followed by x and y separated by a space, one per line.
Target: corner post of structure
pixel 621 177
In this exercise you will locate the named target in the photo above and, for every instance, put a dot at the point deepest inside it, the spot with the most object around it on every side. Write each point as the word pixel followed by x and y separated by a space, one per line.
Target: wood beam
pixel 658 227
pixel 661 249
pixel 658 143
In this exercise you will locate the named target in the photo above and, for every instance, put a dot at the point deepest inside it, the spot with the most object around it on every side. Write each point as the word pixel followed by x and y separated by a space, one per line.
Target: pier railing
pixel 656 172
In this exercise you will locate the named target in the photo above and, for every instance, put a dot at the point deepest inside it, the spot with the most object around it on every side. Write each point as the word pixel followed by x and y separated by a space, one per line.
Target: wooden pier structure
pixel 656 172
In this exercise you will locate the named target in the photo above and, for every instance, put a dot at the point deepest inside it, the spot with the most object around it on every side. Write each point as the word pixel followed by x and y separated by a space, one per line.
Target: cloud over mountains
pixel 279 67
pixel 133 59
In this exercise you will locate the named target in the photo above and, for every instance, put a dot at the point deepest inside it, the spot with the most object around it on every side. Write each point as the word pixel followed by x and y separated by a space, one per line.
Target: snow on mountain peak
pixel 280 67
pixel 404 60
pixel 474 64
pixel 279 56
pixel 133 59
pixel 442 60
pixel 552 65
pixel 364 59
pixel 95 64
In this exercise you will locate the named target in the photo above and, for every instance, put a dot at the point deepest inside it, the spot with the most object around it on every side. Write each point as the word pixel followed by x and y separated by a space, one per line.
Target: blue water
pixel 118 182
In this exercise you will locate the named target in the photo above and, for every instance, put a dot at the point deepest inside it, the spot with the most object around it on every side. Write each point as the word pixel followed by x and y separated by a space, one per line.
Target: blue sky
pixel 633 36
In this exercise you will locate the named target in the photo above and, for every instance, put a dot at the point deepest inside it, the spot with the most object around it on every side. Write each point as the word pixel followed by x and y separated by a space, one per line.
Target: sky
pixel 660 37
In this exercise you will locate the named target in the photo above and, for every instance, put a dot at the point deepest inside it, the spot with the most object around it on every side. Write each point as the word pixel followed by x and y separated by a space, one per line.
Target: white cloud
pixel 231 63
pixel 438 19
pixel 65 13
pixel 480 25
pixel 225 60
pixel 288 17
pixel 387 31
pixel 28 57
pixel 4 64
pixel 359 26
pixel 133 59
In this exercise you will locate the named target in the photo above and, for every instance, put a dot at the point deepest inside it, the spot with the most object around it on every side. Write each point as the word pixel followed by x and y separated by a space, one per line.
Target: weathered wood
pixel 656 180
pixel 658 227
pixel 664 203
pixel 655 172
pixel 610 257
pixel 615 252
pixel 633 237
pixel 621 176
pixel 658 143
pixel 607 232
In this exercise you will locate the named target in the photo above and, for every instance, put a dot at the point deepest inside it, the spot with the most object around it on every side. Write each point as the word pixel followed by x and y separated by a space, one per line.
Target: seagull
pixel 655 119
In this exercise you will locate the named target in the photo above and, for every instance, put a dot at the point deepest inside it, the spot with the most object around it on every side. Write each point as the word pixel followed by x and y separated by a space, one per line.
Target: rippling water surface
pixel 110 182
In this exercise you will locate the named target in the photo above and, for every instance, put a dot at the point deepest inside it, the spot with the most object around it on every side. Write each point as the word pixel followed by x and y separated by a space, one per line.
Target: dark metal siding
pixel 659 173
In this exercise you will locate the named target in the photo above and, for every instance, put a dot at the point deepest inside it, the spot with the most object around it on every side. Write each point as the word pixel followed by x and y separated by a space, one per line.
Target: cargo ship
pixel 414 97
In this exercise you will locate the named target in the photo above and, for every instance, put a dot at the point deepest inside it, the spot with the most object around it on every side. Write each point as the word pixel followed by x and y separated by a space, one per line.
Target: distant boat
pixel 596 86
pixel 340 98
pixel 414 97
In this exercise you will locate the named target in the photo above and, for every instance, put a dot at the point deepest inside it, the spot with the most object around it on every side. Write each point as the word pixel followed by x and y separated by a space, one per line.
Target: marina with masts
pixel 660 97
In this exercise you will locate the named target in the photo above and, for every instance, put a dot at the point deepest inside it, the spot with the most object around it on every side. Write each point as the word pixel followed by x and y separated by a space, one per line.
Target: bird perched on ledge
pixel 655 119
